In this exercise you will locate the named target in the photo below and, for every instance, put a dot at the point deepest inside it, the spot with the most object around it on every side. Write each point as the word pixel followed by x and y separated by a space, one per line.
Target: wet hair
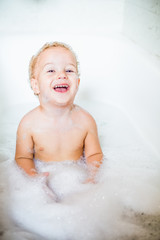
pixel 35 57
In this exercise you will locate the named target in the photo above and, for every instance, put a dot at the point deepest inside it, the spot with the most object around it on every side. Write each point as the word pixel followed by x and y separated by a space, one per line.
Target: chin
pixel 63 103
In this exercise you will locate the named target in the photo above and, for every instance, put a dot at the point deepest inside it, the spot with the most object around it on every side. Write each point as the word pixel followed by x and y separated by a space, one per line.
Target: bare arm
pixel 24 155
pixel 24 148
pixel 93 152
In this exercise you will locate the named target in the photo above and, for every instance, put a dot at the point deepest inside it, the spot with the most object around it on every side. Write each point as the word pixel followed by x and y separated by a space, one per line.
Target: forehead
pixel 56 55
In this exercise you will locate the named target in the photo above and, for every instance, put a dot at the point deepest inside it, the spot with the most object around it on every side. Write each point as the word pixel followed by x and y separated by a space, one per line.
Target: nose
pixel 62 75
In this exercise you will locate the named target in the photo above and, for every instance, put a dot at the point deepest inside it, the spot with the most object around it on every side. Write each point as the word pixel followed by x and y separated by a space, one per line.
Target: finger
pixel 43 174
pixel 46 174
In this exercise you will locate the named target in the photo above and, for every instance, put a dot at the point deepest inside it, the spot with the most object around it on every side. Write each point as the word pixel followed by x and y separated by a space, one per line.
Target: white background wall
pixel 142 23
pixel 113 69
pixel 27 24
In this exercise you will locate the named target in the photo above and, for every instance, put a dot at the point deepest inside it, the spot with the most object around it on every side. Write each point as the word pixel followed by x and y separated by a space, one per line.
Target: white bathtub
pixel 119 87
pixel 113 69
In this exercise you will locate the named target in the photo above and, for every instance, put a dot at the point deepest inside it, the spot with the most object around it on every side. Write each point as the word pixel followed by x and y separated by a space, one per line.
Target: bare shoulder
pixel 28 121
pixel 85 117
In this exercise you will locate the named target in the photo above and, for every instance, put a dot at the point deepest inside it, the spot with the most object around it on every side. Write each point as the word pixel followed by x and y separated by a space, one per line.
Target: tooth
pixel 61 86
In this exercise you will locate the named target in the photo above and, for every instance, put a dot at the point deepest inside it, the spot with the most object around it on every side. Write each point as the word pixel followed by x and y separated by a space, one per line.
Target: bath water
pixel 62 206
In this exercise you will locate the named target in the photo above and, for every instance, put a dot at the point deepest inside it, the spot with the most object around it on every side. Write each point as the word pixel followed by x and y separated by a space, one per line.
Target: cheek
pixel 44 82
pixel 74 89
pixel 75 81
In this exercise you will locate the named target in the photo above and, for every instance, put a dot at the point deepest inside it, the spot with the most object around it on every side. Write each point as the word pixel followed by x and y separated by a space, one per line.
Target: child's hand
pixel 42 175
pixel 34 173
pixel 89 180
pixel 45 174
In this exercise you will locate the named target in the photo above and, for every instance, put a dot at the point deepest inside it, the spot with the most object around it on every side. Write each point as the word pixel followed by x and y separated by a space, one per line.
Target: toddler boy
pixel 56 130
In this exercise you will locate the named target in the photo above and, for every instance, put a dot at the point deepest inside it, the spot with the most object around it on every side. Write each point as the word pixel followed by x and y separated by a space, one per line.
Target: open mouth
pixel 61 88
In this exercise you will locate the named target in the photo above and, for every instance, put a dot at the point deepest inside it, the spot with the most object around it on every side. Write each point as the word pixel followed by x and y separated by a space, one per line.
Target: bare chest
pixel 58 143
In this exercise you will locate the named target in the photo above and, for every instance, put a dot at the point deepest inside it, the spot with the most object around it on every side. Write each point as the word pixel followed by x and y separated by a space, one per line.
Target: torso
pixel 59 141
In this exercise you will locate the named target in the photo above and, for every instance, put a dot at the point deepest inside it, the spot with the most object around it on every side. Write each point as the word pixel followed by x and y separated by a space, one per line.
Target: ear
pixel 34 85
pixel 78 81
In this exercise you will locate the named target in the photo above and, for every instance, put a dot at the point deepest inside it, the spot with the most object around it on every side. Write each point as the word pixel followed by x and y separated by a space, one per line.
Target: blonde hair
pixel 35 57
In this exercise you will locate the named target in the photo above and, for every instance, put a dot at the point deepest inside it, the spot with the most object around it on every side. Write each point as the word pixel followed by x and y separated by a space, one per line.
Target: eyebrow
pixel 53 64
pixel 47 64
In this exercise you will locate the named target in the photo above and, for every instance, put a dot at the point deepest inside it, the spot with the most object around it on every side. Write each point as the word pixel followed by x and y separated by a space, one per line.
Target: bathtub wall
pixel 83 17
pixel 132 83
pixel 116 41
pixel 142 23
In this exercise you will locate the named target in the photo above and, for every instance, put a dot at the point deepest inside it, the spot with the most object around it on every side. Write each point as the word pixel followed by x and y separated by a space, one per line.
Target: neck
pixel 56 111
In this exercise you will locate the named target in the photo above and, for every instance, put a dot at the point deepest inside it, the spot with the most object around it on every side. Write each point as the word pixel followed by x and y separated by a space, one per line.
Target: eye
pixel 50 71
pixel 69 70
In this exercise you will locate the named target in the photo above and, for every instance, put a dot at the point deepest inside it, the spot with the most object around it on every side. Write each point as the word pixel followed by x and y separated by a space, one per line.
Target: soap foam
pixel 63 207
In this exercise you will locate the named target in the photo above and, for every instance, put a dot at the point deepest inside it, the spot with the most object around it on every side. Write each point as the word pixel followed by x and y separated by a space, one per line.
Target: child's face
pixel 56 78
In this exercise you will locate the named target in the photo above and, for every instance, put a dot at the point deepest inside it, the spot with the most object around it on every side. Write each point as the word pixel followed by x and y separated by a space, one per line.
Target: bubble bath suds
pixel 127 191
